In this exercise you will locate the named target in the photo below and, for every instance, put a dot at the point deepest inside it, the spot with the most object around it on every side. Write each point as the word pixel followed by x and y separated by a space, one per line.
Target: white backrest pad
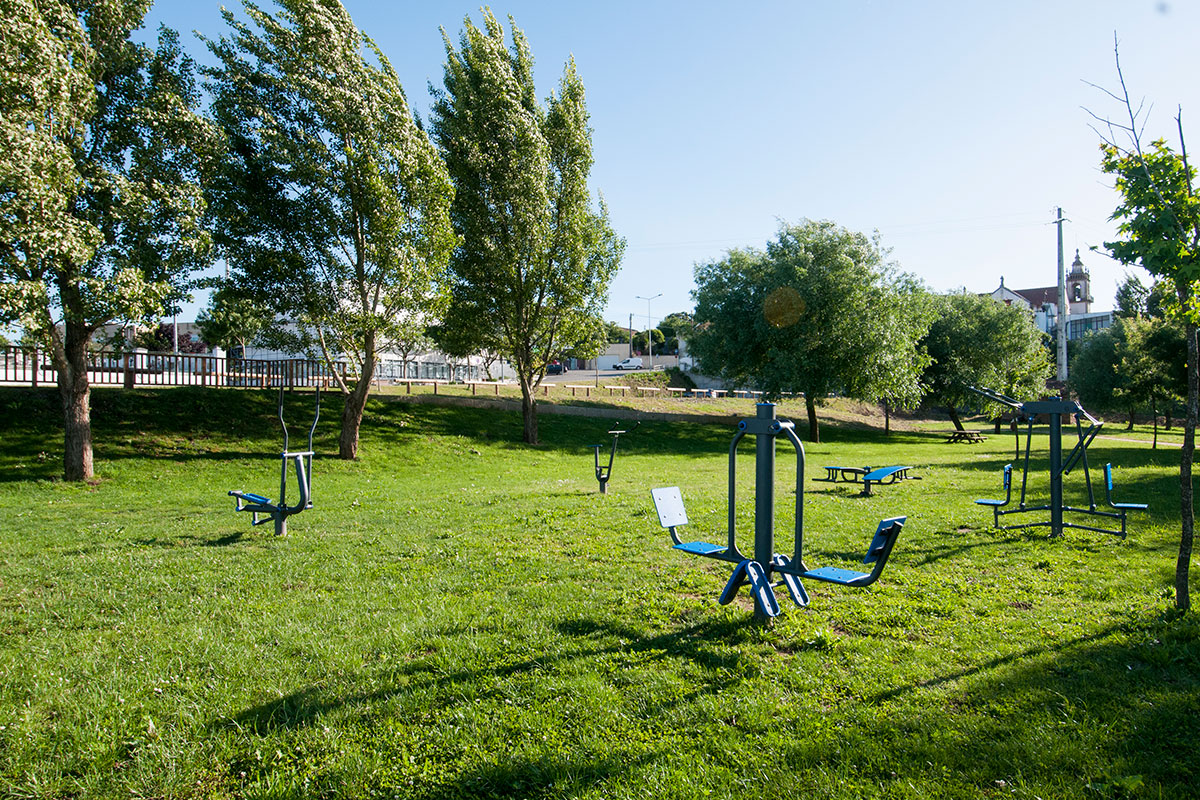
pixel 668 502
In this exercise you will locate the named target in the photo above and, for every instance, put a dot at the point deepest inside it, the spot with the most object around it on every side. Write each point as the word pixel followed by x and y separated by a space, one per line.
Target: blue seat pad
pixel 700 548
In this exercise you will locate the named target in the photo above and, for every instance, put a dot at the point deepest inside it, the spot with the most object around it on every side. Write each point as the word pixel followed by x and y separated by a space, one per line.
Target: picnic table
pixel 971 437
pixel 847 474
pixel 867 475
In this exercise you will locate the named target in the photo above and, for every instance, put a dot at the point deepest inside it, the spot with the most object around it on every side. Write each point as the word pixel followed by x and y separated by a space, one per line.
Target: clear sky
pixel 954 129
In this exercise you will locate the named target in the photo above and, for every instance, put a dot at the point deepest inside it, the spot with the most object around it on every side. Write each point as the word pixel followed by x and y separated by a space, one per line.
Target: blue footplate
pixel 700 548
pixel 834 575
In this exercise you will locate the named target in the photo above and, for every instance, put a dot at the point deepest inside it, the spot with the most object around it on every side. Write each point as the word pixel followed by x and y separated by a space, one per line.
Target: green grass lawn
pixel 464 616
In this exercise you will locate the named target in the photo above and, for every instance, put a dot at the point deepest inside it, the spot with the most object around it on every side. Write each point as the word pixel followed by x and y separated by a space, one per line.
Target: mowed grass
pixel 461 615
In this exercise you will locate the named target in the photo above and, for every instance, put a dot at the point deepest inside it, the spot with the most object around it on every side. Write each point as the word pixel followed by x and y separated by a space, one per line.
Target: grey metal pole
pixel 764 495
pixel 1056 491
pixel 1063 304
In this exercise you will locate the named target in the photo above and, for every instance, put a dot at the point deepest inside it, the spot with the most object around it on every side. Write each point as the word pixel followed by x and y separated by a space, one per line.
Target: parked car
pixel 629 363
pixel 555 368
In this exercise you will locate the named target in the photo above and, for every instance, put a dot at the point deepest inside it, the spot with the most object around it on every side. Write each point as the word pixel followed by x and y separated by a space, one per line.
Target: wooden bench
pixel 971 437
pixel 644 389
pixel 612 389
pixel 676 391
pixel 587 390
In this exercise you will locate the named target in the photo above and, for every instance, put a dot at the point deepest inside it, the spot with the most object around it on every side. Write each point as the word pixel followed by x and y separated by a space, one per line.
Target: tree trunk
pixel 1187 512
pixel 70 362
pixel 1132 411
pixel 1154 416
pixel 529 410
pixel 810 405
pixel 958 426
pixel 356 403
pixel 887 419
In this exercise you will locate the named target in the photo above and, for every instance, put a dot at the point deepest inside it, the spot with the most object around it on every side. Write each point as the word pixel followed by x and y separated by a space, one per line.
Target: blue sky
pixel 954 129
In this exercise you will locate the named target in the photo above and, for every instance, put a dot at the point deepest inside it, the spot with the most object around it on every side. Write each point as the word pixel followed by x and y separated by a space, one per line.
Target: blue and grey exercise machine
pixel 1056 409
pixel 603 473
pixel 301 462
pixel 759 571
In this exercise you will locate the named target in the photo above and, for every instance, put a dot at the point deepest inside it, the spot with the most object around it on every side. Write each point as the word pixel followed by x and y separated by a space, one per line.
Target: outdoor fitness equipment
pixel 758 571
pixel 603 473
pixel 1056 408
pixel 302 462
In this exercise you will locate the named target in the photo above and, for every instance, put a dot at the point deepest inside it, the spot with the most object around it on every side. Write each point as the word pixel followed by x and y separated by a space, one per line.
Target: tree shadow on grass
pixel 1126 697
pixel 697 643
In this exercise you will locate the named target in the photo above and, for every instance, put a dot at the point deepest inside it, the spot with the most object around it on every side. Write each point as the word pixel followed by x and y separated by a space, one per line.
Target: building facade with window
pixel 1043 301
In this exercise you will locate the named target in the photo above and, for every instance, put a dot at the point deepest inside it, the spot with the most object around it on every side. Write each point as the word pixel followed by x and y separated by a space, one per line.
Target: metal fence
pixel 106 368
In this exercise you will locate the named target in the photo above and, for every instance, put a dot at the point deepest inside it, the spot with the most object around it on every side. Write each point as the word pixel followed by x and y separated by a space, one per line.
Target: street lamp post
pixel 649 325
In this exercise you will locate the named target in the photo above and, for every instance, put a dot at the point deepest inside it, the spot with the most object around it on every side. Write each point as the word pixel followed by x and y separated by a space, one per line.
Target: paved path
pixel 1161 443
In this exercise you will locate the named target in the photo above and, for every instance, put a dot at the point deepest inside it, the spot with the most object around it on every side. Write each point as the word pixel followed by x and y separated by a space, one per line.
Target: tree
pixel 643 339
pixel 976 341
pixel 1131 297
pixel 675 326
pixel 334 204
pixel 232 319
pixel 1094 375
pixel 616 334
pixel 817 312
pixel 100 208
pixel 535 258
pixel 1158 218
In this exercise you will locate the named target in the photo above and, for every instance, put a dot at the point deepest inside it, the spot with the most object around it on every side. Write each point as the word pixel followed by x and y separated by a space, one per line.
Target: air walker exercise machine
pixel 759 570
pixel 301 461
pixel 603 473
pixel 1056 409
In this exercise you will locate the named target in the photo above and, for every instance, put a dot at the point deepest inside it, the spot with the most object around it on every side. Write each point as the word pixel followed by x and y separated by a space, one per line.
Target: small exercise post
pixel 603 473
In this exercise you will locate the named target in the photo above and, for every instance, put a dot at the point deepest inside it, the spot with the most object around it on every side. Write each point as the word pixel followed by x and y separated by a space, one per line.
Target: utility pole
pixel 1063 304
pixel 649 327
pixel 631 335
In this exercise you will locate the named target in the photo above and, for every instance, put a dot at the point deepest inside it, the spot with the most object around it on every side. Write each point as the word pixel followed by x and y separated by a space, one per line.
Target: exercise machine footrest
pixel 700 548
pixel 845 577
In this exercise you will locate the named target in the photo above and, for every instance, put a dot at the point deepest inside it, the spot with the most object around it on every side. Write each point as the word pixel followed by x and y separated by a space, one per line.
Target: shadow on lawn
pixel 588 640
pixel 1125 696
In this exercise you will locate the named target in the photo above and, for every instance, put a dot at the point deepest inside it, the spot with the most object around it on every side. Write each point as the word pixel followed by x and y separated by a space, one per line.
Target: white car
pixel 629 363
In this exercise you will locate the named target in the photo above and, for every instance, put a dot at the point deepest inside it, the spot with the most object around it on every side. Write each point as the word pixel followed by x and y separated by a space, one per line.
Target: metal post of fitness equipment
pixel 1055 408
pixel 766 566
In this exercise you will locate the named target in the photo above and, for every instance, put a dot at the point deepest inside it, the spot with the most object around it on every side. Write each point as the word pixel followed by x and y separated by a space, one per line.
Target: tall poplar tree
pixel 535 257
pixel 100 205
pixel 333 207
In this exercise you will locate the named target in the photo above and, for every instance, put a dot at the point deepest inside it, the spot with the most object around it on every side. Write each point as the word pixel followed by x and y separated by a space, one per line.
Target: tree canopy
pixel 535 254
pixel 976 341
pixel 100 205
pixel 819 311
pixel 333 204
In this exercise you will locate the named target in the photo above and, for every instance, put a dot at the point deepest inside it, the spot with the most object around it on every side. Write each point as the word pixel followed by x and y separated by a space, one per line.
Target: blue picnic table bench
pixel 867 475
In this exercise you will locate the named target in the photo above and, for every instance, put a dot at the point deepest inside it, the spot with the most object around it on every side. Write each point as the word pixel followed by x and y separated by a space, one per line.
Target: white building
pixel 1043 301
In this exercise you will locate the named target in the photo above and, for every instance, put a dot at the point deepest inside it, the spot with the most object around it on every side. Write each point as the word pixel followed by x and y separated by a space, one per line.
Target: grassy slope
pixel 463 616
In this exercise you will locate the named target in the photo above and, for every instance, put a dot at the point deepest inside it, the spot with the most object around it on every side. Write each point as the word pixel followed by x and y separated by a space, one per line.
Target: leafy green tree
pixel 1131 297
pixel 531 272
pixel 976 341
pixel 232 319
pixel 1094 375
pixel 819 311
pixel 100 206
pixel 1158 219
pixel 643 339
pixel 334 204
pixel 616 334
pixel 1143 372
pixel 675 326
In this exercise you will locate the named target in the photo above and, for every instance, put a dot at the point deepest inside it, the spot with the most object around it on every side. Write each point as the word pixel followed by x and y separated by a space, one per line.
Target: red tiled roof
pixel 1039 297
